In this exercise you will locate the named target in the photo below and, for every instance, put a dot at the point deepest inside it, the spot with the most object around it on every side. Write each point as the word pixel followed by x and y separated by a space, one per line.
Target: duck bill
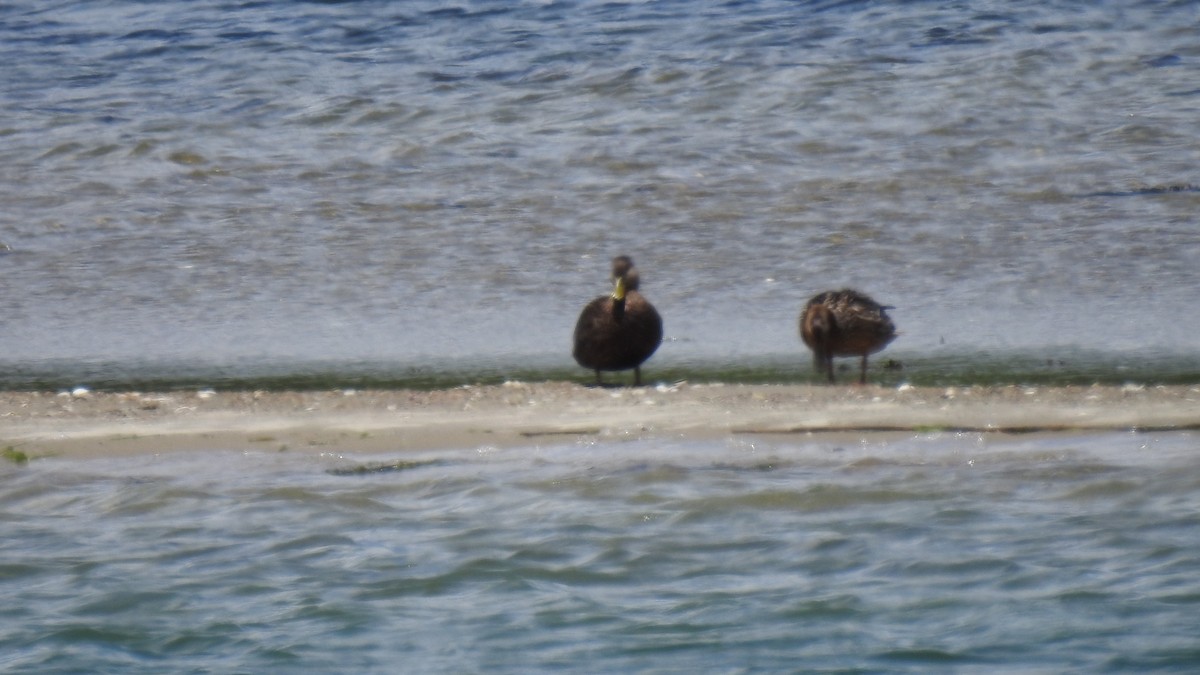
pixel 618 293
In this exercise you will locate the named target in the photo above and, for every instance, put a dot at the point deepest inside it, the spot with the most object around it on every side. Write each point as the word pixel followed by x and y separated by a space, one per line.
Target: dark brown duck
pixel 844 323
pixel 618 331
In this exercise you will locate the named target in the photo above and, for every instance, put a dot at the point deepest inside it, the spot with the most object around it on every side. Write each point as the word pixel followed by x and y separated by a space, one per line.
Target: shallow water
pixel 193 189
pixel 1071 553
pixel 310 194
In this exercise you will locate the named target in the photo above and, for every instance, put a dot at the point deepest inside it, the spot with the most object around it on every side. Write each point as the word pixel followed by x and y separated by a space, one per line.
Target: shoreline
pixel 92 424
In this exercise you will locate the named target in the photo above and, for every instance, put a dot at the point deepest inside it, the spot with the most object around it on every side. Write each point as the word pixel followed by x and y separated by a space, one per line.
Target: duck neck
pixel 618 298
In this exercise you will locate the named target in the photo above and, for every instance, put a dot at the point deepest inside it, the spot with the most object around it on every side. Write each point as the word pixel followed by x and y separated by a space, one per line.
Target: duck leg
pixel 823 363
pixel 827 366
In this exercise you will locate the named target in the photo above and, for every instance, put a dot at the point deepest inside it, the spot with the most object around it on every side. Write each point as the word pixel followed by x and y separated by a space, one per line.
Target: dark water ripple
pixel 1059 553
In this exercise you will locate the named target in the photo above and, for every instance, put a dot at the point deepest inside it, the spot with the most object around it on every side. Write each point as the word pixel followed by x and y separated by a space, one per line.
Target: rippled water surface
pixel 876 554
pixel 241 185
pixel 320 192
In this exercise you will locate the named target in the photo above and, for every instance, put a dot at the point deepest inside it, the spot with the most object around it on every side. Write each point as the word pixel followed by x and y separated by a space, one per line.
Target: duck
pixel 844 323
pixel 618 331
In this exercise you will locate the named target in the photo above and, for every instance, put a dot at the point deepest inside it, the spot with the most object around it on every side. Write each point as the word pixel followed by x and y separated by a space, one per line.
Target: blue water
pixel 274 194
pixel 239 185
pixel 960 553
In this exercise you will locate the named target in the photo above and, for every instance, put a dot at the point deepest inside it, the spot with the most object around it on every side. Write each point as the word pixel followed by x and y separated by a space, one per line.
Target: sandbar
pixel 85 424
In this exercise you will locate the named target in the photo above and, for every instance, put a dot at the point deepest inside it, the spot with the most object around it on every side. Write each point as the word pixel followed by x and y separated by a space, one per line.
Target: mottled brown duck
pixel 844 323
pixel 618 331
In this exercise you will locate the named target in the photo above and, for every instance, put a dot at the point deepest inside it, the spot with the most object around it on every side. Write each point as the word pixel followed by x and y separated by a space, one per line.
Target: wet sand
pixel 85 423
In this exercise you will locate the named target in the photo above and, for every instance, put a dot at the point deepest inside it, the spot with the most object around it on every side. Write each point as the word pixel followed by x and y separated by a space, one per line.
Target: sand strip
pixel 85 423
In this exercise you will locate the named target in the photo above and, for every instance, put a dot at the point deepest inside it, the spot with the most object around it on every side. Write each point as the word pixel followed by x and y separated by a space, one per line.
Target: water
pixel 282 189
pixel 310 194
pixel 968 553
